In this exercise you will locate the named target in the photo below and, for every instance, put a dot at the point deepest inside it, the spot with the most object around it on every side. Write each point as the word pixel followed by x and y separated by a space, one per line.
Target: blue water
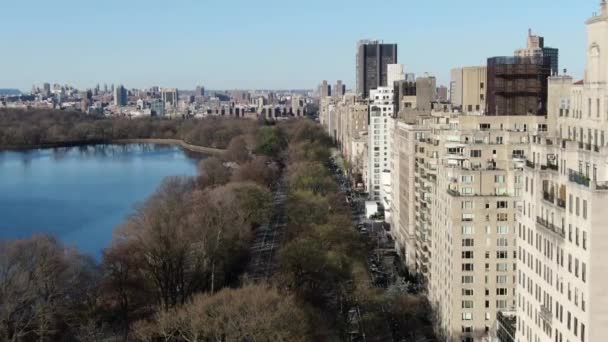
pixel 81 194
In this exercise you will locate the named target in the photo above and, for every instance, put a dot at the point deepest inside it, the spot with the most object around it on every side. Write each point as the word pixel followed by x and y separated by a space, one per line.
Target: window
pixel 467 304
pixel 584 272
pixel 502 230
pixel 501 291
pixel 502 255
pixel 499 179
pixel 502 267
pixel 468 217
pixel 502 217
pixel 585 209
pixel 584 240
pixel 468 279
pixel 501 279
pixel 467 292
pixel 468 230
pixel 502 242
pixel 468 242
pixel 467 205
pixel 467 316
pixel 468 267
pixel 502 205
pixel 466 179
pixel 467 255
pixel 501 304
pixel 475 153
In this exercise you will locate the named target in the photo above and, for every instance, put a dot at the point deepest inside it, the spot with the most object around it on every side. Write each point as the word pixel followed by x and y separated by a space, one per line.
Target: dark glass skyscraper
pixel 372 60
pixel 518 85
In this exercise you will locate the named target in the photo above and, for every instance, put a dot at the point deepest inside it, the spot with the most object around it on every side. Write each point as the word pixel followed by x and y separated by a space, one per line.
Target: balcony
pixel 549 197
pixel 578 178
pixel 540 222
pixel 552 167
pixel 530 164
pixel 601 186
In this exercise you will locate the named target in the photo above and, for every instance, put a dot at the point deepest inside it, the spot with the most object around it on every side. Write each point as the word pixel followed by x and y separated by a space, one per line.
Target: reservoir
pixel 81 194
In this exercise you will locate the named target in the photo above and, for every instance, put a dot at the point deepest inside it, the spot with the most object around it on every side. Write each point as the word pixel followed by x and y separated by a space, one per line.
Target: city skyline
pixel 145 44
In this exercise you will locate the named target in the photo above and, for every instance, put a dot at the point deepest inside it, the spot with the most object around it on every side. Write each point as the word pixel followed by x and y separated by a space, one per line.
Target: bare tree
pixel 251 313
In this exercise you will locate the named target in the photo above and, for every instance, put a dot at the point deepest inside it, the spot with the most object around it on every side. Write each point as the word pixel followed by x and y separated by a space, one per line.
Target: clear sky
pixel 225 44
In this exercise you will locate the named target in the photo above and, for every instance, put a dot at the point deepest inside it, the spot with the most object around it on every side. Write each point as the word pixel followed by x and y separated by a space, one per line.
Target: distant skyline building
pixel 442 94
pixel 157 107
pixel 372 63
pixel 395 72
pixel 46 87
pixel 170 97
pixel 339 89
pixel 324 89
pixel 121 97
pixel 536 48
pixel 200 91
pixel 426 92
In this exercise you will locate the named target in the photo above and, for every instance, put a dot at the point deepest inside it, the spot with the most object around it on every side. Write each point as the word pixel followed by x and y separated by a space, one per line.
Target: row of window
pixel 488 205
pixel 500 279
pixel 500 217
pixel 500 230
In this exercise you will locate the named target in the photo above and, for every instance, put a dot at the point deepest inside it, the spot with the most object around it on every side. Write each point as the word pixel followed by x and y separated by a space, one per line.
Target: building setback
pixel 468 89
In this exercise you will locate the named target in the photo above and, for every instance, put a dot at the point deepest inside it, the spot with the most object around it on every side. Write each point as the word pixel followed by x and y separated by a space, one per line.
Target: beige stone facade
pixel 562 235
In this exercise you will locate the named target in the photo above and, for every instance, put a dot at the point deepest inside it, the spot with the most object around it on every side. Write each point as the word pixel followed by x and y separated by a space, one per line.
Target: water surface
pixel 80 194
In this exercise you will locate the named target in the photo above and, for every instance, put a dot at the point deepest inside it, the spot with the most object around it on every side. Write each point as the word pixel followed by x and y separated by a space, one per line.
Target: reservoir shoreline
pixel 181 143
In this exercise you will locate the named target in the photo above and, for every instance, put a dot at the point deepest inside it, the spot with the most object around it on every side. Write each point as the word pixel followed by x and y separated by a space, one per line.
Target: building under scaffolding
pixel 518 85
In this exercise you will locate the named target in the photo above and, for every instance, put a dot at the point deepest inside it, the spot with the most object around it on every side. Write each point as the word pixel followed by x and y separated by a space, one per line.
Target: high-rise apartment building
pixel 404 90
pixel 346 120
pixel 562 235
pixel 466 180
pixel 536 48
pixel 372 63
pixel 426 92
pixel 381 109
pixel 468 89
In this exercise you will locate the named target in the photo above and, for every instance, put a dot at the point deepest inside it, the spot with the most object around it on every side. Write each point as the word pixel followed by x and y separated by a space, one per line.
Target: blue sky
pixel 267 43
